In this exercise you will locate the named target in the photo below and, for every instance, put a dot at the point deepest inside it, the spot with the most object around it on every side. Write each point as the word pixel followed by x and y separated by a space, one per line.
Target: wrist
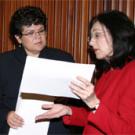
pixel 69 111
pixel 95 105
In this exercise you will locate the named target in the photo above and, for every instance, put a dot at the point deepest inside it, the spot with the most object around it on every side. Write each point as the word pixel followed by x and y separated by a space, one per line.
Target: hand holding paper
pixel 46 77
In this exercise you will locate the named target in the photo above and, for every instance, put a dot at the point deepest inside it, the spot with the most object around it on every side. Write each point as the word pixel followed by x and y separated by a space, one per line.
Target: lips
pixel 95 50
pixel 38 43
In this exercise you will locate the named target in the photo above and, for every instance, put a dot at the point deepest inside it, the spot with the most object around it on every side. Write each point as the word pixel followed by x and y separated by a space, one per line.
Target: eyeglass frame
pixel 33 33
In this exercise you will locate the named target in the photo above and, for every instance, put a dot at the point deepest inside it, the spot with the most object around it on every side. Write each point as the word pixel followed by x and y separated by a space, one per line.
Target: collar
pixel 20 54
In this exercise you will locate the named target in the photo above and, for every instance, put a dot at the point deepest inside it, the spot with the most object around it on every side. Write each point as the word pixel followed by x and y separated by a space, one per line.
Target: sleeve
pixel 64 56
pixel 122 121
pixel 69 58
pixel 57 54
pixel 3 109
pixel 3 122
pixel 78 117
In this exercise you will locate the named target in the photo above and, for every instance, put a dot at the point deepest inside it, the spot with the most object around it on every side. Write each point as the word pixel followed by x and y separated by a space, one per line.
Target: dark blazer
pixel 11 69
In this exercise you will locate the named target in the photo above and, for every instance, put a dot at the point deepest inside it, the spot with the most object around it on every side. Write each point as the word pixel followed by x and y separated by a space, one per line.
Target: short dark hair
pixel 26 16
pixel 122 31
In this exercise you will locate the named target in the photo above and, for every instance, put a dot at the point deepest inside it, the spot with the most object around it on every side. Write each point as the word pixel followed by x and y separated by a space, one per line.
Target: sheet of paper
pixel 51 77
pixel 46 77
pixel 28 109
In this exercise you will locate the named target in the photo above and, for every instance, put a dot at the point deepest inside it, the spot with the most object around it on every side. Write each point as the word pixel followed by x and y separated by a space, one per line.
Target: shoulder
pixel 56 51
pixel 129 69
pixel 56 54
pixel 130 66
pixel 6 60
pixel 6 55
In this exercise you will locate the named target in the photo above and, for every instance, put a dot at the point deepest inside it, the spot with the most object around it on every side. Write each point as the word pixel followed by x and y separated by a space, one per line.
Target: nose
pixel 91 42
pixel 37 35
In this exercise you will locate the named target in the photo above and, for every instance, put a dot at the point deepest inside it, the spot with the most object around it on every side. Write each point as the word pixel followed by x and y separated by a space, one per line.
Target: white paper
pixel 51 77
pixel 47 77
pixel 28 109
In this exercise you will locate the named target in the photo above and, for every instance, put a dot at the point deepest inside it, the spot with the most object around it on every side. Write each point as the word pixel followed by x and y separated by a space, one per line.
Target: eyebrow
pixel 97 29
pixel 28 30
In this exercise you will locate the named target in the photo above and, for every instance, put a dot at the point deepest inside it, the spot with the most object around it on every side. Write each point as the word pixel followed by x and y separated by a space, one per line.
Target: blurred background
pixel 67 21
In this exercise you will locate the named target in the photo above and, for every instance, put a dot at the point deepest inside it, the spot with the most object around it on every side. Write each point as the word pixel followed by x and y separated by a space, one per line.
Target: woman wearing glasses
pixel 28 33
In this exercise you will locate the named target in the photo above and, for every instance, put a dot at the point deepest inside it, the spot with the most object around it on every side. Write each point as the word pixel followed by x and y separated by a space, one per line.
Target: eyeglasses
pixel 33 34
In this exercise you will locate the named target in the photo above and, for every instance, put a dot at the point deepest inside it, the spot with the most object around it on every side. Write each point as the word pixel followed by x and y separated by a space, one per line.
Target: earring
pixel 20 45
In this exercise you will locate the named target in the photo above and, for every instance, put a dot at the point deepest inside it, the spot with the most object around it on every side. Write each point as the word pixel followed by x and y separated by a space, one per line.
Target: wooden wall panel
pixel 57 23
pixel 131 9
pixel 51 26
pixel 77 30
pixel 64 23
pixel 84 32
pixel 67 21
pixel 70 26
pixel 1 26
pixel 115 4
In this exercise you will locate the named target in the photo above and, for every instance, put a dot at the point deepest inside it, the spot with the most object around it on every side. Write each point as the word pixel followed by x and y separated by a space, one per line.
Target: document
pixel 45 77
pixel 28 109
pixel 52 77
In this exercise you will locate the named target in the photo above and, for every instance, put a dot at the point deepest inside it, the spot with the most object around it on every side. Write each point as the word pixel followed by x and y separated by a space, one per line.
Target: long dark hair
pixel 122 31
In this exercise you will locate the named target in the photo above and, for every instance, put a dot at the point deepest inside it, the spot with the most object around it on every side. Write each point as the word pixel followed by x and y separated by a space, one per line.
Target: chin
pixel 40 48
pixel 100 58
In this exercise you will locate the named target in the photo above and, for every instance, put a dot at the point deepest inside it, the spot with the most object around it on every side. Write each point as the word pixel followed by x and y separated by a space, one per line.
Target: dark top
pixel 11 69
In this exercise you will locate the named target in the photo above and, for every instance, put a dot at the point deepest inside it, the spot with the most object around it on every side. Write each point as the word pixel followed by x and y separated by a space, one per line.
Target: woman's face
pixel 33 39
pixel 101 41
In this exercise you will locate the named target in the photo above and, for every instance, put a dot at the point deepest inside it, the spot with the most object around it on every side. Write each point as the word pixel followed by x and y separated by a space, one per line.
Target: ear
pixel 18 39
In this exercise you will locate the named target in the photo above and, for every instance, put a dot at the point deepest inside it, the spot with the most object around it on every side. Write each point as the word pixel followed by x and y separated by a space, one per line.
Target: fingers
pixel 81 83
pixel 15 123
pixel 47 115
pixel 76 89
pixel 56 111
pixel 83 80
pixel 14 120
pixel 47 106
pixel 77 85
pixel 82 88
pixel 83 94
pixel 50 114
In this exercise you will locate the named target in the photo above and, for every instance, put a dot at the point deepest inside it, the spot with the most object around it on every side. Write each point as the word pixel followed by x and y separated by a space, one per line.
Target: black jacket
pixel 11 69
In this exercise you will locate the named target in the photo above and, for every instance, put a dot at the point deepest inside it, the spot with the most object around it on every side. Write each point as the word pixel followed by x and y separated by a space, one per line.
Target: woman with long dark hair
pixel 110 102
